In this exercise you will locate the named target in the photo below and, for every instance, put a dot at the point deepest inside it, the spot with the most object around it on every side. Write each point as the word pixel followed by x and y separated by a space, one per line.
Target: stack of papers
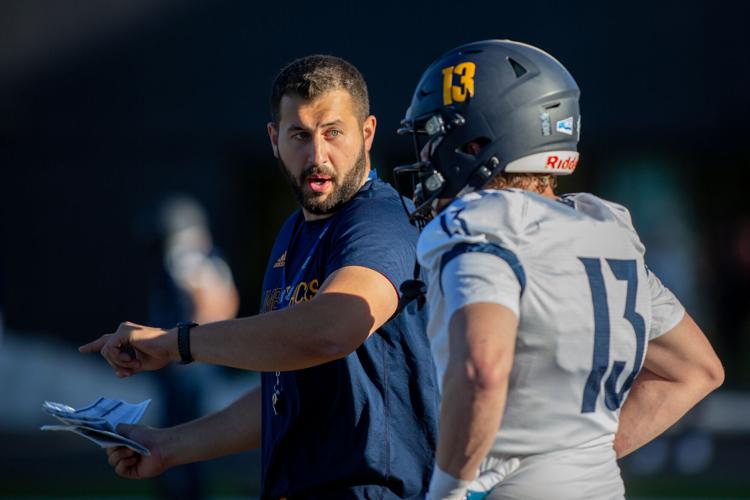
pixel 98 422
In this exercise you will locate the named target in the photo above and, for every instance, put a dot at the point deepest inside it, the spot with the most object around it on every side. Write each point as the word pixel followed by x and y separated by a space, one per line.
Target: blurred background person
pixel 188 280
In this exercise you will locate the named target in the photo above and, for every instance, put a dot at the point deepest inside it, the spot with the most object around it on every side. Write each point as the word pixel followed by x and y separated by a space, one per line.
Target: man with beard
pixel 347 406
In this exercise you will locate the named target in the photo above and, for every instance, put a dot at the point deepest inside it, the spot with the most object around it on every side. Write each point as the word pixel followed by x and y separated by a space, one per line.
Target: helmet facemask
pixel 444 168
pixel 431 134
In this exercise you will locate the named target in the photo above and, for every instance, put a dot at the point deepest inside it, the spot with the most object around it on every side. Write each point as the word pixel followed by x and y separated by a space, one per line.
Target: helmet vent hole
pixel 552 106
pixel 518 69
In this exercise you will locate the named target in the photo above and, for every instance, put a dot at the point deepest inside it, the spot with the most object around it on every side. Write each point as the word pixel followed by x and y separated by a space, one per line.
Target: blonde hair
pixel 537 183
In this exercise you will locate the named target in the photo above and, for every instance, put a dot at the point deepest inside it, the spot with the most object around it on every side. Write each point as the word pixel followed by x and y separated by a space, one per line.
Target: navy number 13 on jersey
pixel 623 270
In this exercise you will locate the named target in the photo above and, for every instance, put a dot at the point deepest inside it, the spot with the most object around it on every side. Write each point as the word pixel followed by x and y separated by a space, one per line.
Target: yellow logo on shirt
pixel 305 291
pixel 281 262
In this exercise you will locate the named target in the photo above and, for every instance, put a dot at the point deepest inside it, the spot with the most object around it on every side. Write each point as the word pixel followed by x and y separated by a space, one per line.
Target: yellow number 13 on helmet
pixel 465 87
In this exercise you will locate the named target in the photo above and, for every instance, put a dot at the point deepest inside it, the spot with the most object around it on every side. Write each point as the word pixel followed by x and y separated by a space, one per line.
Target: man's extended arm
pixel 482 340
pixel 234 429
pixel 352 303
pixel 680 369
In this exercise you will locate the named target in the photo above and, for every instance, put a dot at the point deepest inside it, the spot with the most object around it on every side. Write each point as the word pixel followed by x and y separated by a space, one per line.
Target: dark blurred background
pixel 108 107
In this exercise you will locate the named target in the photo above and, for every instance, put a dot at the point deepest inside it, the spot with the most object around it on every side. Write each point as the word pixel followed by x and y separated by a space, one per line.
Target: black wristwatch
pixel 183 342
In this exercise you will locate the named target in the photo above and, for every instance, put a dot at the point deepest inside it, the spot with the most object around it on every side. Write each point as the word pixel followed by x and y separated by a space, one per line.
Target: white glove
pixel 443 486
pixel 492 472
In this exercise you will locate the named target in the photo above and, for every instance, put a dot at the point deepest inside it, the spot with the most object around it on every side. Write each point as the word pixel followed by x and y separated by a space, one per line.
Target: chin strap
pixel 413 289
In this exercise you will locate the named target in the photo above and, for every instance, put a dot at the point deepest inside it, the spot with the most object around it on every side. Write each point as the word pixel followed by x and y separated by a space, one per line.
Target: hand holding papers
pixel 98 421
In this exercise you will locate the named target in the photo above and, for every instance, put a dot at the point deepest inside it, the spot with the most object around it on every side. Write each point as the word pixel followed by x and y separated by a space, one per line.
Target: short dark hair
pixel 313 76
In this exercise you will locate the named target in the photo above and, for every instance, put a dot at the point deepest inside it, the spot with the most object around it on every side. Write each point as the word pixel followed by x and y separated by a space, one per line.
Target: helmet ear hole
pixel 475 146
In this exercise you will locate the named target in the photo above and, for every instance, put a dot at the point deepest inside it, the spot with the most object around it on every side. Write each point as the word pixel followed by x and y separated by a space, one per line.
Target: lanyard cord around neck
pixel 286 296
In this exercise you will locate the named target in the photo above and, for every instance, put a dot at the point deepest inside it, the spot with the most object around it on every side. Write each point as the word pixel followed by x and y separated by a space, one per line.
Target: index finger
pixel 94 346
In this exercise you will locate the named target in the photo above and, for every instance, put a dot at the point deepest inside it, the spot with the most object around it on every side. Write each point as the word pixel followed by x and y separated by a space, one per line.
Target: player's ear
pixel 273 135
pixel 368 131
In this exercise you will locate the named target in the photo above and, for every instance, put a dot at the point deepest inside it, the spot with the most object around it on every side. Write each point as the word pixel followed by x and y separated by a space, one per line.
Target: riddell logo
pixel 566 163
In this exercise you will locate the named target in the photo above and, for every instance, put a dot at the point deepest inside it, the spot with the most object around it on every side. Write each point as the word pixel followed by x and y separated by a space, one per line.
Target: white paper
pixel 98 421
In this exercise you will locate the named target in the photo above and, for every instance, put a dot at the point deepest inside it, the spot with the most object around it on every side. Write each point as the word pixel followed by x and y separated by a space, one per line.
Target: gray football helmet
pixel 484 108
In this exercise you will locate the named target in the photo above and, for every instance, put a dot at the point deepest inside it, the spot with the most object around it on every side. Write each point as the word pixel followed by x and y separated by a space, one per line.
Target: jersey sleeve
pixel 666 309
pixel 471 251
pixel 375 233
pixel 476 277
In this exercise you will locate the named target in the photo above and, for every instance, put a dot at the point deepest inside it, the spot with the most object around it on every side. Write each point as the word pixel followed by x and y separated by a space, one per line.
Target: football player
pixel 557 349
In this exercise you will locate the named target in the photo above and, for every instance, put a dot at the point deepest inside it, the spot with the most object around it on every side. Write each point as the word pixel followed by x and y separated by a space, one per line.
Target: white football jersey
pixel 573 272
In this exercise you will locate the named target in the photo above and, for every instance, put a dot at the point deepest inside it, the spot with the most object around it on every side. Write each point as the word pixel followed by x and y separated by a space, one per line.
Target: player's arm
pixel 679 370
pixel 352 303
pixel 234 429
pixel 482 345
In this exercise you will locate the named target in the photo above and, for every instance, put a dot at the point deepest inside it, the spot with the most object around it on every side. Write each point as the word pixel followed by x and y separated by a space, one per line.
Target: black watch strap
pixel 183 341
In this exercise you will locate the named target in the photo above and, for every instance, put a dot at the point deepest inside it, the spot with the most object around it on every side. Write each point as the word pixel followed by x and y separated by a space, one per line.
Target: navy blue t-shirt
pixel 364 426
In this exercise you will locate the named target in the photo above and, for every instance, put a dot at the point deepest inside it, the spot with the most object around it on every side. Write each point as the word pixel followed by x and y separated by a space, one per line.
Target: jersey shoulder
pixel 489 211
pixel 511 218
pixel 492 217
pixel 598 208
